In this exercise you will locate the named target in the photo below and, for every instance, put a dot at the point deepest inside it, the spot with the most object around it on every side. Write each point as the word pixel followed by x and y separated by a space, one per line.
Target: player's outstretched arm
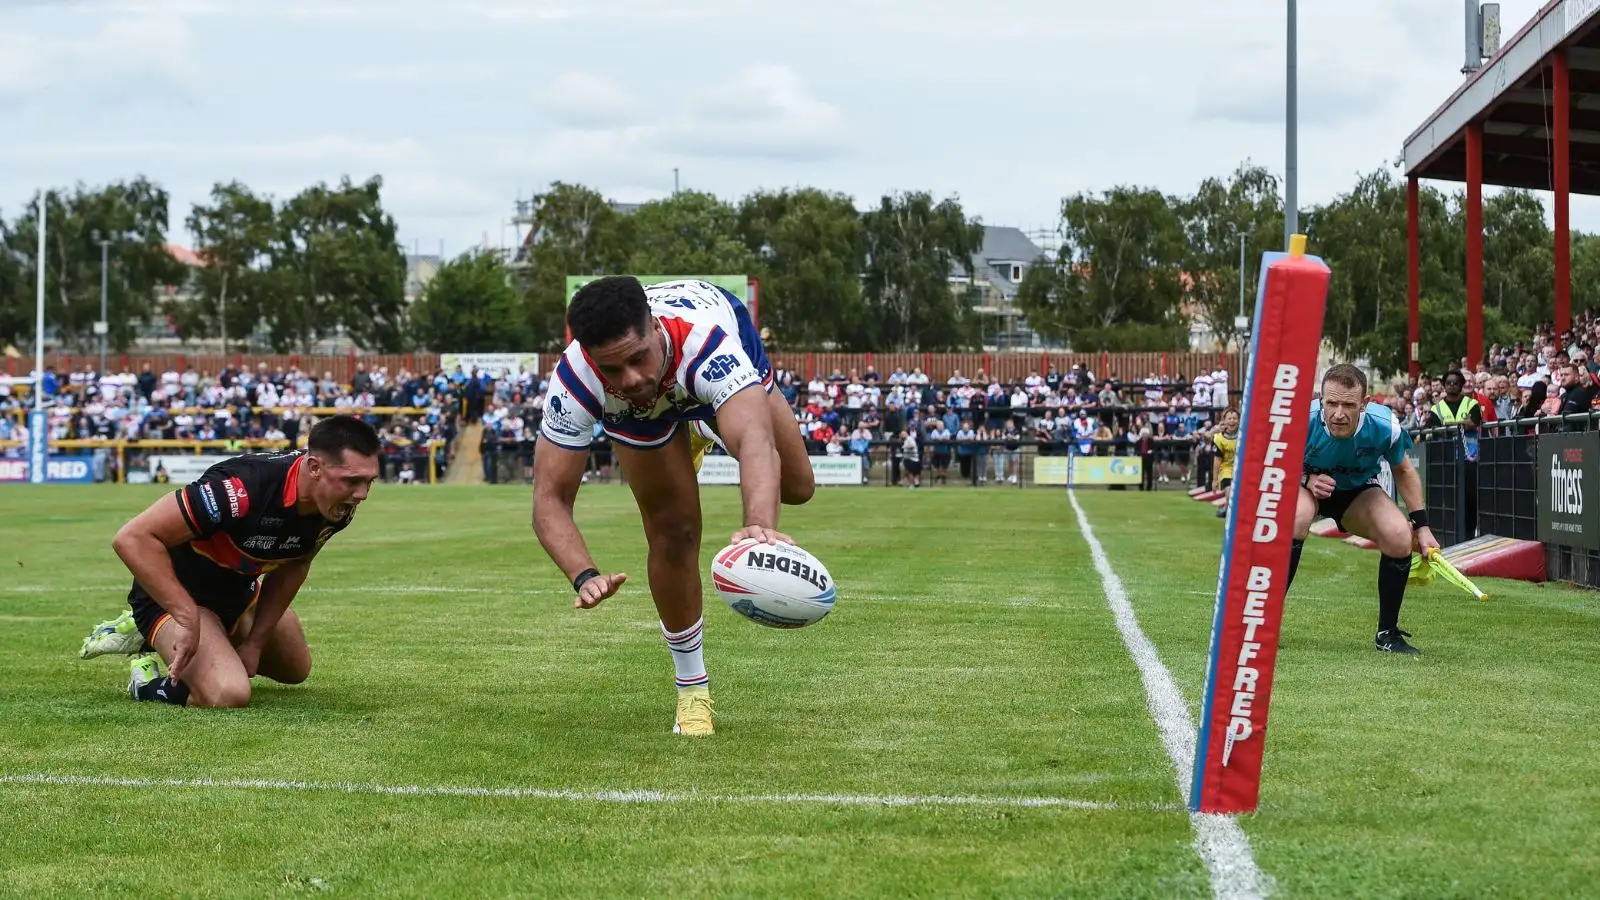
pixel 745 423
pixel 142 546
pixel 278 590
pixel 557 472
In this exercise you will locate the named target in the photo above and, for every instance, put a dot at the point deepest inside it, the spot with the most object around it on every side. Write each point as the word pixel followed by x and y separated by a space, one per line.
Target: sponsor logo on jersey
pixel 209 500
pixel 260 542
pixel 559 418
pixel 238 498
pixel 292 542
pixel 271 522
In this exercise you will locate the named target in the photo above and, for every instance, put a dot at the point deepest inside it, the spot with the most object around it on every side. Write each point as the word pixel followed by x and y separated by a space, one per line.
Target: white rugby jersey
pixel 713 352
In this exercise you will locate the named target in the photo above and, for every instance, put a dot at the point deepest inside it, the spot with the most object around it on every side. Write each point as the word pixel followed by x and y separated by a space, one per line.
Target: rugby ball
pixel 776 585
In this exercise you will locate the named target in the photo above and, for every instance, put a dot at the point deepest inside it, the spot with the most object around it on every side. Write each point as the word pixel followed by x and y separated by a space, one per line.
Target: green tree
pixel 1362 235
pixel 233 237
pixel 806 248
pixel 1214 218
pixel 337 258
pixel 575 232
pixel 16 296
pixel 1518 259
pixel 472 305
pixel 913 248
pixel 689 233
pixel 1118 281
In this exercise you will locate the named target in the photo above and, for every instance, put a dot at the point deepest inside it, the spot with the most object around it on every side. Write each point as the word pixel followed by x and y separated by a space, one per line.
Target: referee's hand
pixel 1321 486
pixel 598 588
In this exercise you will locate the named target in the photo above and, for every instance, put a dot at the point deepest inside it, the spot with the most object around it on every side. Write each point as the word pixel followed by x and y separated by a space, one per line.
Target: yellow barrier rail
pixel 199 447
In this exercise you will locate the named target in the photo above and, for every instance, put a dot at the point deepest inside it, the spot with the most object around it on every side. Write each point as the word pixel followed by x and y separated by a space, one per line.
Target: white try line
pixel 1219 841
pixel 615 796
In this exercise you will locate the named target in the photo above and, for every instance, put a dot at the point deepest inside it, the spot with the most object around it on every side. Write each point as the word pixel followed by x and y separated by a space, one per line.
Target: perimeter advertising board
pixel 58 470
pixel 1568 466
pixel 835 470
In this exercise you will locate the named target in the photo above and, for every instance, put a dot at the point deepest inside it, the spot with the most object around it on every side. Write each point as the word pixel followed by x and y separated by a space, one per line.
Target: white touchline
pixel 614 796
pixel 1219 841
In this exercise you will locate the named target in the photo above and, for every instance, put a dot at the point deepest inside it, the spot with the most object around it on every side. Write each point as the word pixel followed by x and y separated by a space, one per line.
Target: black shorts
pixel 228 597
pixel 1224 484
pixel 1338 503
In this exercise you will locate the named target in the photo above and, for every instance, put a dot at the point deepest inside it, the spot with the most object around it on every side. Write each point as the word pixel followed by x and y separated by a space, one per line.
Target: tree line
pixel 1134 265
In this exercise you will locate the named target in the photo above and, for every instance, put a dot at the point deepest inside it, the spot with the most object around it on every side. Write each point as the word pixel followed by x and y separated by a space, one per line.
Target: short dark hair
pixel 331 437
pixel 1346 375
pixel 1456 373
pixel 607 309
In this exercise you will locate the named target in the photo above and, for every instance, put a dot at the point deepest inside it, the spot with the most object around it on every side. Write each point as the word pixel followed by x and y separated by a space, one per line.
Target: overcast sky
pixel 464 106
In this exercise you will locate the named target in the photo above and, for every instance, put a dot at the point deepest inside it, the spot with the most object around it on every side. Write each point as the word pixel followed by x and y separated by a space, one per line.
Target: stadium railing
pixel 114 461
pixel 1498 493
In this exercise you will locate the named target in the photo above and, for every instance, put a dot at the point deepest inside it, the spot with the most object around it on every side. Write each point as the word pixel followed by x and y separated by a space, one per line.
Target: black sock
pixel 1393 571
pixel 1294 563
pixel 164 690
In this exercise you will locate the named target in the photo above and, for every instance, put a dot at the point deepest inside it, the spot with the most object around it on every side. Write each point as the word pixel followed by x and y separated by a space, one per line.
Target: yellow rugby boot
pixel 694 711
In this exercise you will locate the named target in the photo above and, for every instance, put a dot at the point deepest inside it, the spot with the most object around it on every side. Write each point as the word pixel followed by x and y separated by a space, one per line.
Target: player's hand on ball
pixel 758 533
pixel 598 588
pixel 1321 486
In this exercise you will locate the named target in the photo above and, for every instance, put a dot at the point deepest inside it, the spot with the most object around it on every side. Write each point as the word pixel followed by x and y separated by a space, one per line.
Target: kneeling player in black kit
pixel 217 563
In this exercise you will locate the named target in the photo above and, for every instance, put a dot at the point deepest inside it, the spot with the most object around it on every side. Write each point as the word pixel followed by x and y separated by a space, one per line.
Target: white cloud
pixel 153 44
pixel 761 111
pixel 584 100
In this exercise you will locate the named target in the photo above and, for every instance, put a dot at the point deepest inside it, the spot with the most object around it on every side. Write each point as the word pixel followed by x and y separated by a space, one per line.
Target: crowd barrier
pixel 179 462
pixel 1006 366
pixel 1532 480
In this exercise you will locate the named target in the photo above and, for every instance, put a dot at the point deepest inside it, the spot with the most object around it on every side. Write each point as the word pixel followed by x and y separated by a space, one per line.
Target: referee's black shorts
pixel 1336 504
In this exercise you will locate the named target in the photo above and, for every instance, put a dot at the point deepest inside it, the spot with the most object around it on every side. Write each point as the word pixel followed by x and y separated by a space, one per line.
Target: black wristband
pixel 1419 519
pixel 583 577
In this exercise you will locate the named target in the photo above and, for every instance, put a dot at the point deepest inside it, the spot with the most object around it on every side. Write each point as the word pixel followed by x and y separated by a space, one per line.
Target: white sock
pixel 687 656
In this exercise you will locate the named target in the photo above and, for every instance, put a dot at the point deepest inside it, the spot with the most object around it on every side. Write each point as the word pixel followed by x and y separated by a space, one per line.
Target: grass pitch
pixel 465 732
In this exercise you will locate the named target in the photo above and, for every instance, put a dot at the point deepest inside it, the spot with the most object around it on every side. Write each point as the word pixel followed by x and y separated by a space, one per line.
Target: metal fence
pixel 1499 492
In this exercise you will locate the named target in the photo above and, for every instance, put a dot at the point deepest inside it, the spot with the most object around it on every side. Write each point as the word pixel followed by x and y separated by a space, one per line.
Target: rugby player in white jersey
pixel 666 370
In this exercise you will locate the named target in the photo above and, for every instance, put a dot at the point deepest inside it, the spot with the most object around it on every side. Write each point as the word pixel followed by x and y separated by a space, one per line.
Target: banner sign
pixel 1290 301
pixel 1088 471
pixel 836 470
pixel 57 470
pixel 181 468
pixel 497 365
pixel 1568 466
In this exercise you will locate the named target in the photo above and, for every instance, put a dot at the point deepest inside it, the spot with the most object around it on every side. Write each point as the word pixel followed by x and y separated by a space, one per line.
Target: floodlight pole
pixel 38 323
pixel 38 434
pixel 104 324
pixel 1291 209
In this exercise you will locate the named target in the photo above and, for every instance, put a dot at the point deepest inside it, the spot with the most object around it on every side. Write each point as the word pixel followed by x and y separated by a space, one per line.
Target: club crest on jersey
pixel 720 367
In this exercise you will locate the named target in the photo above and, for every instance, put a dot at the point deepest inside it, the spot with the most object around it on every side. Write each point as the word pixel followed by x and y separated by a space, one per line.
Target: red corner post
pixel 1413 279
pixel 1562 163
pixel 1474 244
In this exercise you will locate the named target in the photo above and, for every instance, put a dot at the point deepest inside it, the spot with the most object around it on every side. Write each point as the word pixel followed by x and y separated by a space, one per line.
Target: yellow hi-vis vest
pixel 1462 414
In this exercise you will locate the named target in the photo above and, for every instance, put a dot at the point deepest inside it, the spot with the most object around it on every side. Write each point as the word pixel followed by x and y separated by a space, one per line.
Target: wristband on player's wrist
pixel 583 578
pixel 1419 519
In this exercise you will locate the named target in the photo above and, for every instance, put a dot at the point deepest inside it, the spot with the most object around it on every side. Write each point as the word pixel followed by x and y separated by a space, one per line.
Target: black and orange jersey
pixel 244 516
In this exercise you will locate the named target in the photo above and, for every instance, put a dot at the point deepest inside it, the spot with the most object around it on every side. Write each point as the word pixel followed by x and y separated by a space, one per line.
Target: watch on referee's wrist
pixel 1419 519
pixel 583 578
